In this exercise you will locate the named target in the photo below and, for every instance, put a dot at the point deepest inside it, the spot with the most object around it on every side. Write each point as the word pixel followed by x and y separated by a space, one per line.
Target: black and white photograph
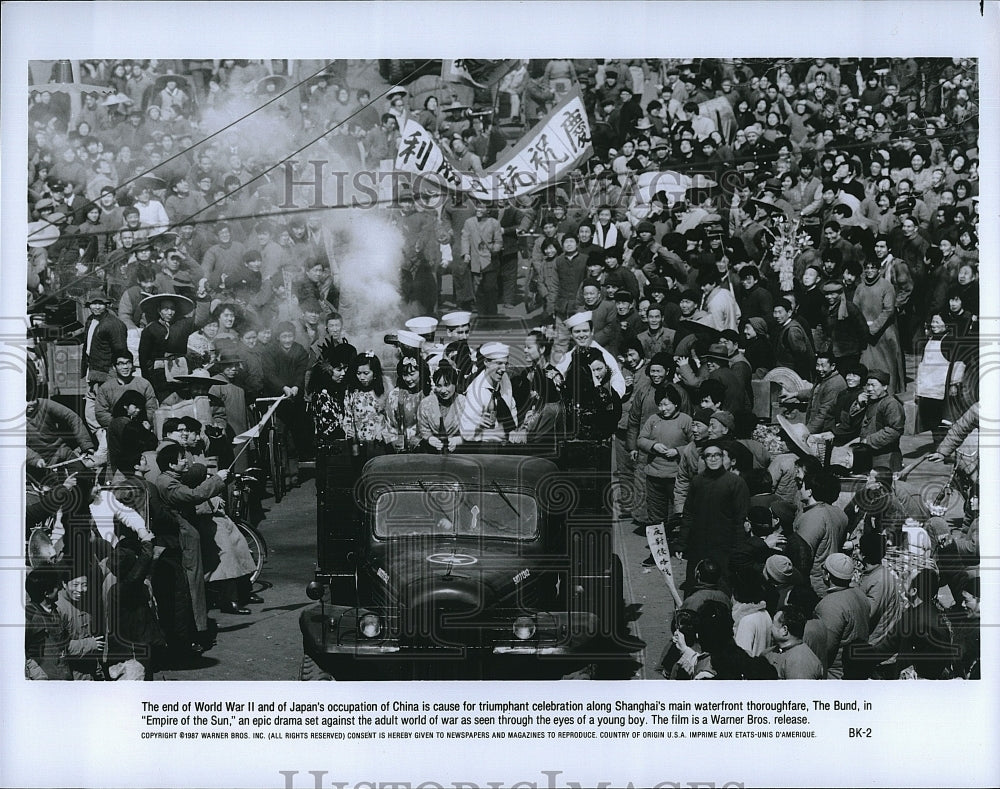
pixel 458 381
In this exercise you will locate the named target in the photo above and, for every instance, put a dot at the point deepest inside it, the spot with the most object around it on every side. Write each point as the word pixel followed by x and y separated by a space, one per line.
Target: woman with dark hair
pixel 439 413
pixel 229 318
pixel 327 391
pixel 964 193
pixel 201 344
pixel 660 438
pixel 430 115
pixel 968 246
pixel 963 306
pixel 413 384
pixel 939 379
pixel 365 403
pixel 849 410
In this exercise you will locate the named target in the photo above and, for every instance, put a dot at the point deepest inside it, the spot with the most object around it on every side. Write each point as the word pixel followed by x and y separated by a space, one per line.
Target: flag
pixel 657 539
pixel 556 144
pixel 455 71
pixel 254 432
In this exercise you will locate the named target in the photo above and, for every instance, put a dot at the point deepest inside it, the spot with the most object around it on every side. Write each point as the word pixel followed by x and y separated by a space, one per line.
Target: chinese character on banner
pixel 416 147
pixel 447 172
pixel 542 154
pixel 575 126
pixel 506 180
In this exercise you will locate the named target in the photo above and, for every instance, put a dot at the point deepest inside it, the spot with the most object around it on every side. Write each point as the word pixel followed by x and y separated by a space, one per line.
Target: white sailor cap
pixel 495 351
pixel 409 339
pixel 422 325
pixel 578 318
pixel 455 319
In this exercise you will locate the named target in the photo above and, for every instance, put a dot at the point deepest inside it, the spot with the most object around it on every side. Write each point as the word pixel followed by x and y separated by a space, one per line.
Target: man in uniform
pixel 458 326
pixel 582 331
pixel 490 412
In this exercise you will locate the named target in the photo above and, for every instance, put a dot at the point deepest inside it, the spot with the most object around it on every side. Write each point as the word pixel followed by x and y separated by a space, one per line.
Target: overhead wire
pixel 223 129
pixel 264 172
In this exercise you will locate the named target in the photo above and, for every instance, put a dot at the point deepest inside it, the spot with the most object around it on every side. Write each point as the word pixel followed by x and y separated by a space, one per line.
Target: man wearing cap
pixel 820 523
pixel 604 316
pixel 490 413
pixel 105 338
pixel 458 326
pixel 844 326
pixel 169 324
pixel 714 511
pixel 883 423
pixel 716 360
pixel 630 324
pixel 432 352
pixel 581 330
pixel 844 611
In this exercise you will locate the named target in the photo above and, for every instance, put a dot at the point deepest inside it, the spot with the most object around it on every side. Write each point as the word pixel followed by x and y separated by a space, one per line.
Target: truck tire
pixel 311 672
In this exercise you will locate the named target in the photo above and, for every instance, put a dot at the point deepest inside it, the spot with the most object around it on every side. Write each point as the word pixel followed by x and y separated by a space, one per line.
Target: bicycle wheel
pixel 257 545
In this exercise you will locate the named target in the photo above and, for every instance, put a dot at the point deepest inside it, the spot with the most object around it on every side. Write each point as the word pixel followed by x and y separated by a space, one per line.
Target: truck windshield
pixel 446 511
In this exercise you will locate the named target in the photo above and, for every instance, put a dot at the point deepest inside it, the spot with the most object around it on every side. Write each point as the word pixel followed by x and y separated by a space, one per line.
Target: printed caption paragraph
pixel 517 720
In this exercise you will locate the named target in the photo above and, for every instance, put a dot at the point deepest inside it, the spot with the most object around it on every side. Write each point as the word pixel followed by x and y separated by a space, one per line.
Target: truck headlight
pixel 524 628
pixel 370 626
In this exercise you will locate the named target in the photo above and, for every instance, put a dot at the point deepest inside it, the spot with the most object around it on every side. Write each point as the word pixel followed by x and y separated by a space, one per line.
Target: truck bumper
pixel 333 631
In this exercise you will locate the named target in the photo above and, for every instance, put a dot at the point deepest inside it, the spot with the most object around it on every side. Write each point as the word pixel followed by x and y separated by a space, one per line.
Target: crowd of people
pixel 826 231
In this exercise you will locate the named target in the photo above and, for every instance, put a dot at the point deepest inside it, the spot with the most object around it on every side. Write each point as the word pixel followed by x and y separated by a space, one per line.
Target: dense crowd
pixel 823 238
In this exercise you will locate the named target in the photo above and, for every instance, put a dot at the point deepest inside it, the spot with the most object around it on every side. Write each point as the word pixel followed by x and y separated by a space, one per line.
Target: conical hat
pixel 796 436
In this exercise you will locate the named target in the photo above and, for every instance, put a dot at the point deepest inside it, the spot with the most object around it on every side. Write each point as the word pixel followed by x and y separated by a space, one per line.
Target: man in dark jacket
pixel 821 413
pixel 792 344
pixel 714 512
pixel 754 299
pixel 883 422
pixel 845 329
pixel 105 336
pixel 285 364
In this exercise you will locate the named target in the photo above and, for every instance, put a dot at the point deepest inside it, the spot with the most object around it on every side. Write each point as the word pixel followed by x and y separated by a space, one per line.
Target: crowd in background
pixel 828 230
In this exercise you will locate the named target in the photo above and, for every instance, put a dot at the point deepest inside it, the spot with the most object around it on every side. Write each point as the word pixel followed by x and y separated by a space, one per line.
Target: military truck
pixel 494 563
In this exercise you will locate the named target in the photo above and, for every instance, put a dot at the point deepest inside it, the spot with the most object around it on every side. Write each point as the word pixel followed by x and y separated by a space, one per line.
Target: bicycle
pixel 271 449
pixel 237 508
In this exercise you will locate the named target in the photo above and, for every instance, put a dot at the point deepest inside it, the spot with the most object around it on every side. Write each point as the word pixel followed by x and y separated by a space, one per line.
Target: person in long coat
pixel 876 298
pixel 714 512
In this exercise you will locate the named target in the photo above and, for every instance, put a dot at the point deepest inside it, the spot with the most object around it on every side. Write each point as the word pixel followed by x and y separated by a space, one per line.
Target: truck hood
pixel 450 592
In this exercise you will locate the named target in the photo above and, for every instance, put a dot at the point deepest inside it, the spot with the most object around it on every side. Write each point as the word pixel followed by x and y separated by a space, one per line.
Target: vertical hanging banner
pixel 556 144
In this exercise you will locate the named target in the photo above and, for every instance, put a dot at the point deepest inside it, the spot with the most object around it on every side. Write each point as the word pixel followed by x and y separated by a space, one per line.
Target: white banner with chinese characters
pixel 557 144
pixel 656 536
